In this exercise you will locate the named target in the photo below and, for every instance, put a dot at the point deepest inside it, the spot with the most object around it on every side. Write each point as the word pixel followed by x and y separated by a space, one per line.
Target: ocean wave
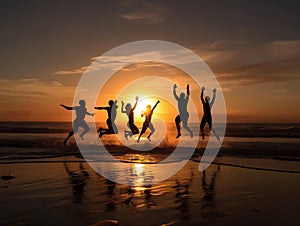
pixel 232 129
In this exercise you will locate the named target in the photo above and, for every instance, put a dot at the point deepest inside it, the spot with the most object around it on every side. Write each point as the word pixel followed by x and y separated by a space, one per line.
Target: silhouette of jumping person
pixel 130 113
pixel 79 121
pixel 182 108
pixel 110 121
pixel 147 123
pixel 207 118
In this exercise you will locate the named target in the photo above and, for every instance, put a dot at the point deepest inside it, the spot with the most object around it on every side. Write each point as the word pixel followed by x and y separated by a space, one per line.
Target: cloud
pixel 246 63
pixel 142 11
pixel 39 98
pixel 77 71
pixel 22 91
pixel 235 63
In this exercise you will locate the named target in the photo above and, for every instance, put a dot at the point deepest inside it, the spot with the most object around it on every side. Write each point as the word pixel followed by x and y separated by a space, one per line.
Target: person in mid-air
pixel 79 121
pixel 129 110
pixel 147 123
pixel 182 108
pixel 110 121
pixel 207 118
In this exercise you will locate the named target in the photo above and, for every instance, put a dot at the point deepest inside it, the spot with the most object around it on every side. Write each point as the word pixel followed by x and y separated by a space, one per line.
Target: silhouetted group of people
pixel 183 116
pixel 111 109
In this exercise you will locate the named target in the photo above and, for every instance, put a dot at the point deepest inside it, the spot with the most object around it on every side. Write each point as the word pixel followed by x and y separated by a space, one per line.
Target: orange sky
pixel 40 101
pixel 46 48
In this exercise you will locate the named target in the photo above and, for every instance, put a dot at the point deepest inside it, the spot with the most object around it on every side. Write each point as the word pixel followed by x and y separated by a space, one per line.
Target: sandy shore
pixel 66 191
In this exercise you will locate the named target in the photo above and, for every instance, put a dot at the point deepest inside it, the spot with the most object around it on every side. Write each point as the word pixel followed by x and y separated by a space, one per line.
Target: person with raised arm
pixel 129 111
pixel 183 116
pixel 147 123
pixel 207 118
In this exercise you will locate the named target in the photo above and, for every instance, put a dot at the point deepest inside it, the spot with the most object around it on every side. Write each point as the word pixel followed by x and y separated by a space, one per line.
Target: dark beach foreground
pixel 66 191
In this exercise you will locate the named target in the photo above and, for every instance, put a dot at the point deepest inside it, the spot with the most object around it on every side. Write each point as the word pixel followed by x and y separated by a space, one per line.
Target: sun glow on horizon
pixel 142 105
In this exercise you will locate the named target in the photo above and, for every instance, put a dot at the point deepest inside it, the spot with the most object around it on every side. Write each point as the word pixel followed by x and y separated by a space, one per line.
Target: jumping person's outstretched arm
pixel 101 108
pixel 136 101
pixel 202 99
pixel 66 107
pixel 174 92
pixel 214 98
pixel 122 107
pixel 155 105
pixel 90 114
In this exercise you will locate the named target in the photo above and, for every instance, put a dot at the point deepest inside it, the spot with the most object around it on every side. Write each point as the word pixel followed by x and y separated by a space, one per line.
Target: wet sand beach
pixel 66 191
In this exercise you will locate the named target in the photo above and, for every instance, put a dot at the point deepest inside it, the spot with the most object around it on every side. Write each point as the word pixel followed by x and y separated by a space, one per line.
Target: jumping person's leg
pixel 106 131
pixel 185 125
pixel 177 122
pixel 101 129
pixel 68 137
pixel 134 129
pixel 212 129
pixel 127 133
pixel 114 128
pixel 76 125
pixel 152 130
pixel 202 124
pixel 109 125
pixel 86 128
pixel 145 126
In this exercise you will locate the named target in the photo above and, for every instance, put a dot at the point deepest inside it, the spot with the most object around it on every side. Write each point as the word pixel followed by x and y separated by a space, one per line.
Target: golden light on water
pixel 139 169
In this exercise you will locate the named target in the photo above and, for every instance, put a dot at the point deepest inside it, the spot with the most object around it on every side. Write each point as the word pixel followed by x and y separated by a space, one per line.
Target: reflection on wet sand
pixel 209 192
pixel 182 196
pixel 140 181
pixel 78 180
pixel 130 192
pixel 148 196
pixel 214 197
pixel 110 193
pixel 182 190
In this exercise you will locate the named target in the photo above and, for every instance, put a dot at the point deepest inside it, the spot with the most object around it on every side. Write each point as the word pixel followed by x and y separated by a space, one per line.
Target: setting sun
pixel 142 104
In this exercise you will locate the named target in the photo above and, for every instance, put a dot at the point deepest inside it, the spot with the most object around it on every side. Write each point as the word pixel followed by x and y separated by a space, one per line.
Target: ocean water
pixel 25 140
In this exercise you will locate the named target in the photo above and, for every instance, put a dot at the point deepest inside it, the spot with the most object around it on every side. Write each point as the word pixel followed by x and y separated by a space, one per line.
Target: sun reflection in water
pixel 139 168
pixel 140 177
